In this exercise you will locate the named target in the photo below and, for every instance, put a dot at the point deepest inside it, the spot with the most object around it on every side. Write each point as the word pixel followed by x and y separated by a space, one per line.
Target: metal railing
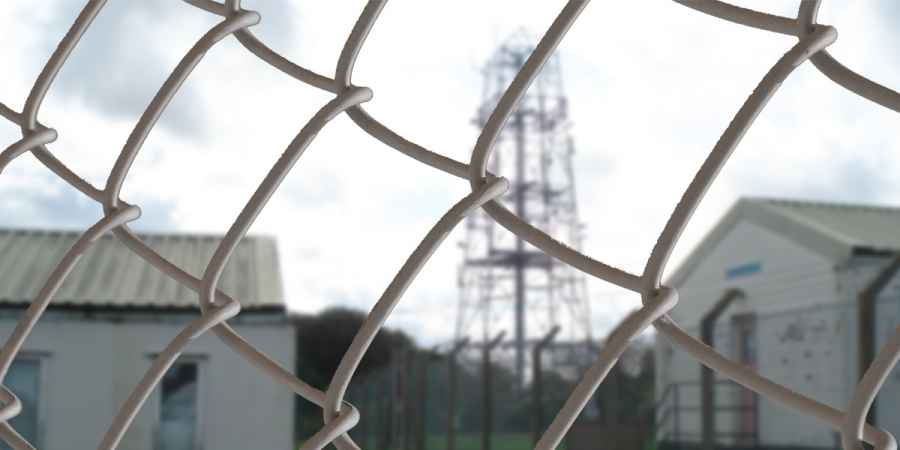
pixel 674 404
pixel 339 416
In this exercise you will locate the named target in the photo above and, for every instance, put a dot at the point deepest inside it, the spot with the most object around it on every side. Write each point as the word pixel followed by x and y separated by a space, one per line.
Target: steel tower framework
pixel 505 283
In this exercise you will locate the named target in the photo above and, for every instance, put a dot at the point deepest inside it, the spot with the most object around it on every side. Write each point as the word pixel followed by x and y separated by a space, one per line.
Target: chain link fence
pixel 449 398
pixel 340 418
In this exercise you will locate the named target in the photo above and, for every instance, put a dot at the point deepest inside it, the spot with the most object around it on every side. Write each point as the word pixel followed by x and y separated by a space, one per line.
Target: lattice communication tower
pixel 505 283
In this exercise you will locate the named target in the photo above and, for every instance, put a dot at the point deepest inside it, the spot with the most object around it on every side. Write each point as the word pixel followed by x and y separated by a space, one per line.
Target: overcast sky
pixel 651 87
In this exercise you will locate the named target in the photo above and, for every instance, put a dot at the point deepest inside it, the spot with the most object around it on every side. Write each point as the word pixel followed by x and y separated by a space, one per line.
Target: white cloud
pixel 651 87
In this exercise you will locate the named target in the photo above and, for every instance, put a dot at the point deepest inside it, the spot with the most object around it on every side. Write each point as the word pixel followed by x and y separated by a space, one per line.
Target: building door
pixel 745 407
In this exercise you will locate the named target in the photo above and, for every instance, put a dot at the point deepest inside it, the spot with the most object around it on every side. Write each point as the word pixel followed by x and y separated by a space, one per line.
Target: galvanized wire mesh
pixel 340 416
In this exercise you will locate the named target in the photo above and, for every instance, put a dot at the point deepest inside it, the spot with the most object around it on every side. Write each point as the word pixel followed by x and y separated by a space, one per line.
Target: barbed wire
pixel 338 415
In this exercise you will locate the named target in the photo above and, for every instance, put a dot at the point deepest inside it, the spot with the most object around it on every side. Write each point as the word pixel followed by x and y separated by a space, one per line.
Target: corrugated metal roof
pixel 866 226
pixel 109 274
pixel 834 230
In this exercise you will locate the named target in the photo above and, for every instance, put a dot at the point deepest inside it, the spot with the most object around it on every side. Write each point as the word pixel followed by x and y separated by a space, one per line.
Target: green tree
pixel 322 341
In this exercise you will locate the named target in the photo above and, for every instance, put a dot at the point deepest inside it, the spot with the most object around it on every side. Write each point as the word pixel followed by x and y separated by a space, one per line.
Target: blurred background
pixel 787 266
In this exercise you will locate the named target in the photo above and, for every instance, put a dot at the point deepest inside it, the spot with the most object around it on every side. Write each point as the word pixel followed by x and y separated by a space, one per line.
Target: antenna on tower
pixel 504 282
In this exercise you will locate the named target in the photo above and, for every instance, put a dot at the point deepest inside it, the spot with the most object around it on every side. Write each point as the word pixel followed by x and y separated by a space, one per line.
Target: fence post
pixel 408 405
pixel 487 407
pixel 364 408
pixel 537 381
pixel 451 396
pixel 707 376
pixel 676 413
pixel 422 392
pixel 387 406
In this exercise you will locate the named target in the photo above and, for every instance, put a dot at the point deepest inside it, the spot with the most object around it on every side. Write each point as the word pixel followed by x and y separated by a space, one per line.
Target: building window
pixel 179 407
pixel 24 380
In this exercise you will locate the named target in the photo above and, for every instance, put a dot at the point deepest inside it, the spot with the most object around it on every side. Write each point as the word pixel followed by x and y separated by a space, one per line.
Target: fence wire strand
pixel 340 416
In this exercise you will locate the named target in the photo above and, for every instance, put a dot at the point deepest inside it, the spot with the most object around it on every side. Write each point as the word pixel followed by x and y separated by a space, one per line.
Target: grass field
pixel 472 441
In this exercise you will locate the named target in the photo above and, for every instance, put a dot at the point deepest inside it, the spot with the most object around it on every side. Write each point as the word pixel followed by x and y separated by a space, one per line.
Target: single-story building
pixel 802 292
pixel 114 313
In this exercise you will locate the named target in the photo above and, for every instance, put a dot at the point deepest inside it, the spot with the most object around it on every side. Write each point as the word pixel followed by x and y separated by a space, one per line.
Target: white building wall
pixel 784 266
pixel 89 366
pixel 800 342
pixel 887 319
pixel 804 350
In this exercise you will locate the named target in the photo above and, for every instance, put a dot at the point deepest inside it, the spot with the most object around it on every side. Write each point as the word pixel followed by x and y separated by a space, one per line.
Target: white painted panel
pixel 789 276
pixel 887 318
pixel 801 329
pixel 92 365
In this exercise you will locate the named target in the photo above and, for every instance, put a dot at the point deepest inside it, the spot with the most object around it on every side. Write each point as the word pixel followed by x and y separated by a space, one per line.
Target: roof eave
pixel 805 234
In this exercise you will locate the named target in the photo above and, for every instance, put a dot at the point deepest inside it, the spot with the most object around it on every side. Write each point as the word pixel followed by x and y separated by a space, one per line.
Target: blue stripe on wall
pixel 743 270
